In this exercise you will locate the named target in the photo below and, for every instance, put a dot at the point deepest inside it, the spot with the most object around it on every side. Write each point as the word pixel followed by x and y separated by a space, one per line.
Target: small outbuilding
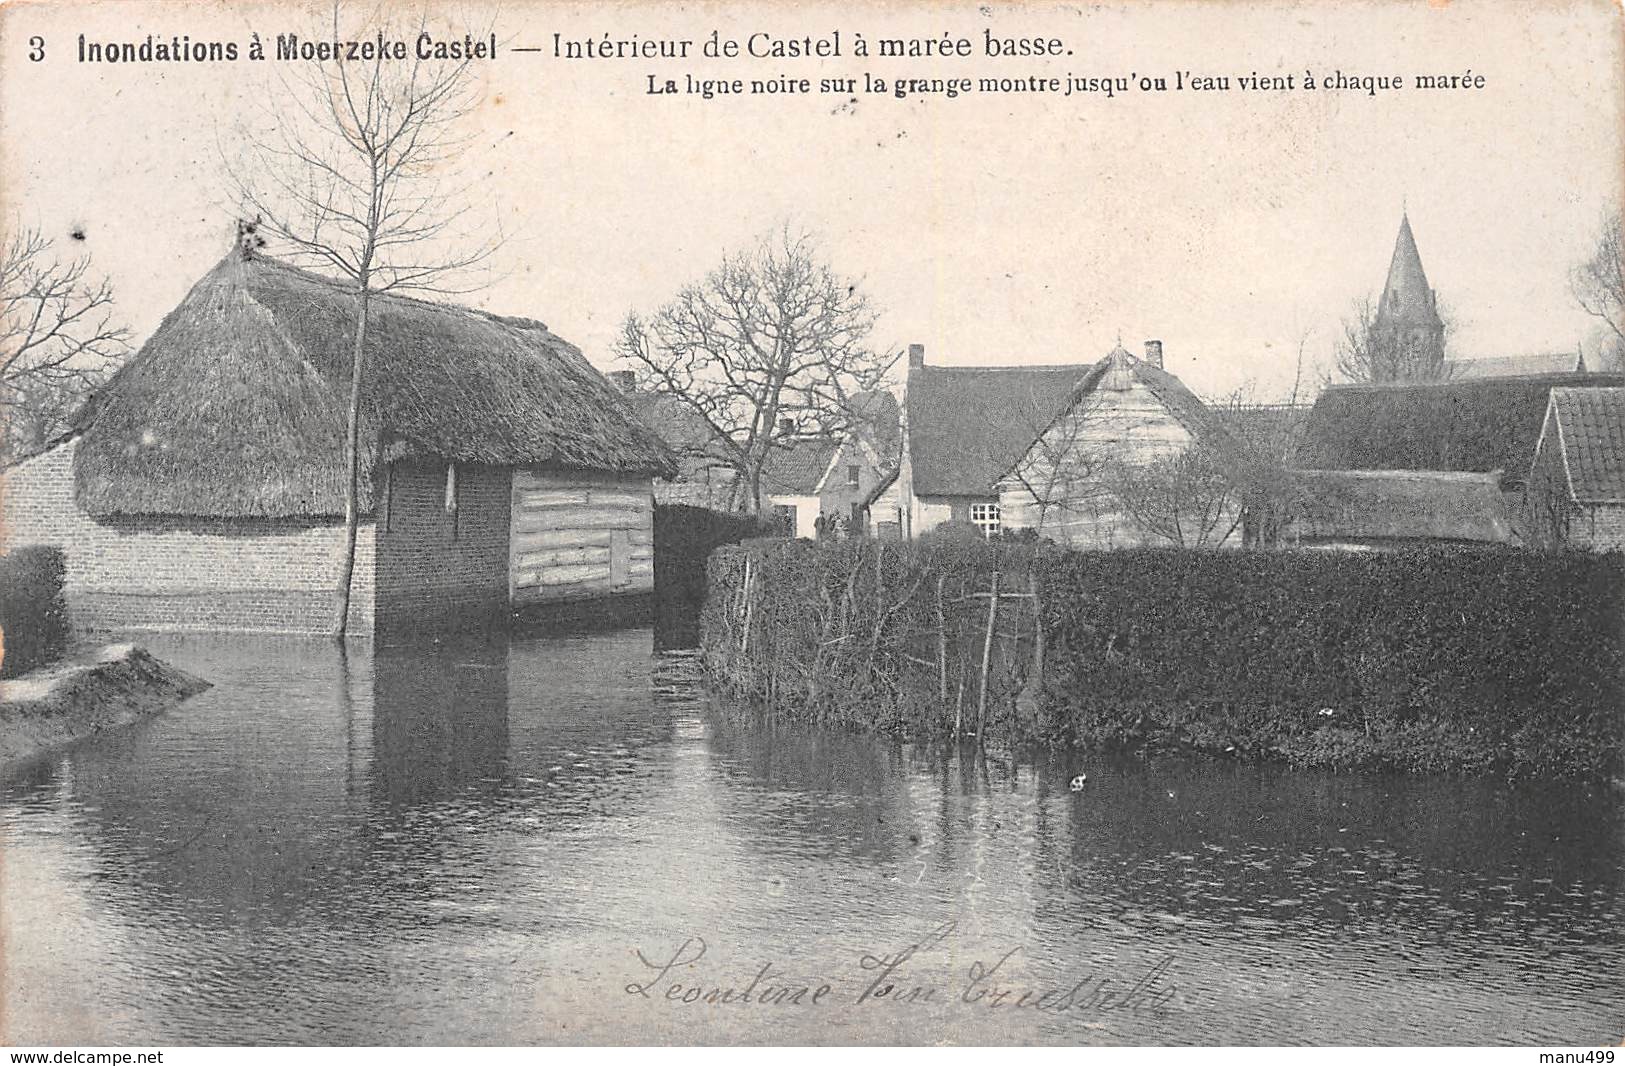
pixel 1576 490
pixel 203 485
pixel 1386 509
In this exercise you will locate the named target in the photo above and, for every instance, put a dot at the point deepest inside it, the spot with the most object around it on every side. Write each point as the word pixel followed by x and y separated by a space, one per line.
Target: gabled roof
pixel 236 406
pixel 1473 426
pixel 1508 366
pixel 798 469
pixel 676 422
pixel 968 426
pixel 880 423
pixel 672 420
pixel 1591 431
pixel 1395 505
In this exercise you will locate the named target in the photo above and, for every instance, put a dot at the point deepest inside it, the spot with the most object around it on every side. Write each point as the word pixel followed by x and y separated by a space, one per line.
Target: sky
pixel 994 229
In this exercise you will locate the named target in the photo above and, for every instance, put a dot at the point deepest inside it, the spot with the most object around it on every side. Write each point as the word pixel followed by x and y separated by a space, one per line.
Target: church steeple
pixel 1407 316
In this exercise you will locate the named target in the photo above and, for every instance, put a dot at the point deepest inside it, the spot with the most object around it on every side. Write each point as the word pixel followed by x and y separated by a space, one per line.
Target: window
pixel 852 475
pixel 986 517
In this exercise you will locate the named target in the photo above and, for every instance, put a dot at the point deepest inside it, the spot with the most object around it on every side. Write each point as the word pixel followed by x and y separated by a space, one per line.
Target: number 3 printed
pixel 36 49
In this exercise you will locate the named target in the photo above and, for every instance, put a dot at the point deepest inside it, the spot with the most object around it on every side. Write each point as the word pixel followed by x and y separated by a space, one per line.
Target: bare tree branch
pixel 771 346
pixel 1599 282
pixel 1366 354
pixel 58 338
pixel 349 172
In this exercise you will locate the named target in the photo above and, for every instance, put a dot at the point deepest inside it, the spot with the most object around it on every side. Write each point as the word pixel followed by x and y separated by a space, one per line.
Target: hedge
pixel 33 609
pixel 1485 660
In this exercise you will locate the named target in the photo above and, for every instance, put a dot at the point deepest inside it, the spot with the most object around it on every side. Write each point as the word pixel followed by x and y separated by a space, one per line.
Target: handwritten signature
pixel 887 978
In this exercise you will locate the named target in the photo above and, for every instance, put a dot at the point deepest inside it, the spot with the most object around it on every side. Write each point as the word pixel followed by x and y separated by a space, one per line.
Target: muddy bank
pixel 109 688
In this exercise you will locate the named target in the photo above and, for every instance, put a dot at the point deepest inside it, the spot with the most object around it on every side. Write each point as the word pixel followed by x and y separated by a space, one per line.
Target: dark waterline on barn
pixel 472 845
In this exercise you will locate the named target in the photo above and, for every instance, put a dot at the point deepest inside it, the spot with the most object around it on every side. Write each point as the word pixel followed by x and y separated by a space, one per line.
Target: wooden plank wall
pixel 577 537
pixel 1130 426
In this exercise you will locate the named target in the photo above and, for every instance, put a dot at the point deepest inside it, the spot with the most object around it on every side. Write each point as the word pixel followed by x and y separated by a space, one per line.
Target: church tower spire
pixel 1407 319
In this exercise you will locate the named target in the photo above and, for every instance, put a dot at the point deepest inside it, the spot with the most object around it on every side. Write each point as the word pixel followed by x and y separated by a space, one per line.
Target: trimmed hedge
pixel 33 609
pixel 1483 660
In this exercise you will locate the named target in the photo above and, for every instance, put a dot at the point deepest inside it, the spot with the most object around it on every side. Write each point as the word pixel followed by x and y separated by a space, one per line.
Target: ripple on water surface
pixel 471 845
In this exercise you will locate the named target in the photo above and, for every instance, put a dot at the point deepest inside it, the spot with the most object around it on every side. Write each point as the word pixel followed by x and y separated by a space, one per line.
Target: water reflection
pixel 467 843
pixel 439 723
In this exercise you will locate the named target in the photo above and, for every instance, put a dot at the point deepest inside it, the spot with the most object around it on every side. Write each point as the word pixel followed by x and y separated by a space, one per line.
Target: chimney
pixel 787 427
pixel 625 380
pixel 1153 353
pixel 916 355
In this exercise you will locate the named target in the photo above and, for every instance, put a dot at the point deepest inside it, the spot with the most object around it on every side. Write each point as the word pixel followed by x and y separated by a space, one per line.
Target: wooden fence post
pixel 744 637
pixel 987 655
pixel 942 649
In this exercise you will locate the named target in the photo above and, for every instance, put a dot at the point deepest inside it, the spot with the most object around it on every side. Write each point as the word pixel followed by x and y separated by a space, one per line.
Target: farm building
pixel 704 476
pixel 1576 490
pixel 1043 447
pixel 203 485
pixel 1471 426
pixel 805 475
pixel 791 481
pixel 1396 508
pixel 963 428
pixel 1522 366
pixel 835 478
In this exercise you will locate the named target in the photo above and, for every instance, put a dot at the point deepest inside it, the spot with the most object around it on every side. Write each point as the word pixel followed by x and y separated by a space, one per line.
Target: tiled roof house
pixel 1576 487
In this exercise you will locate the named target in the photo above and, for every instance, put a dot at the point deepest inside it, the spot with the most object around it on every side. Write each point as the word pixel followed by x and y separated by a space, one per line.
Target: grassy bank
pixel 1492 660
pixel 107 689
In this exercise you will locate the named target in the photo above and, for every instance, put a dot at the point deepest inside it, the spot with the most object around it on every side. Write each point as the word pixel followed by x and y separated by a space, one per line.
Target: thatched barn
pixel 1471 426
pixel 1381 509
pixel 203 485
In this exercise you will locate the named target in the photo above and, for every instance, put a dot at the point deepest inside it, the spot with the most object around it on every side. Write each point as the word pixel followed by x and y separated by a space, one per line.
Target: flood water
pixel 509 845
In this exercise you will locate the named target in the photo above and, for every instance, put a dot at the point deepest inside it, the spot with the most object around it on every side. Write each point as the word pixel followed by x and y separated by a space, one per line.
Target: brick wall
pixel 1599 526
pixel 437 565
pixel 243 575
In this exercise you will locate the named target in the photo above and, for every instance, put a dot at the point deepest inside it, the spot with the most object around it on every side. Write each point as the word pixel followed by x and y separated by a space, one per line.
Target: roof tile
pixel 1593 427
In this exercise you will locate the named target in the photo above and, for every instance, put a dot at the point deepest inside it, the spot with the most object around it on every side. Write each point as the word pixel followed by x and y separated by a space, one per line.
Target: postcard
pixel 742 523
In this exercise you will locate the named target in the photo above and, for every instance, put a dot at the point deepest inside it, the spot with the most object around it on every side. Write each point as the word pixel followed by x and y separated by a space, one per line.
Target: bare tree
pixel 355 174
pixel 1259 452
pixel 1063 469
pixel 1367 354
pixel 58 338
pixel 1599 282
pixel 770 347
pixel 1189 499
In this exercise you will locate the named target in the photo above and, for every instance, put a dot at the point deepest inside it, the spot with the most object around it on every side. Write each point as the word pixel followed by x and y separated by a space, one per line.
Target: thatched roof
pixel 1400 505
pixel 674 421
pixel 235 407
pixel 1275 429
pixel 1468 426
pixel 968 426
pixel 1514 366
